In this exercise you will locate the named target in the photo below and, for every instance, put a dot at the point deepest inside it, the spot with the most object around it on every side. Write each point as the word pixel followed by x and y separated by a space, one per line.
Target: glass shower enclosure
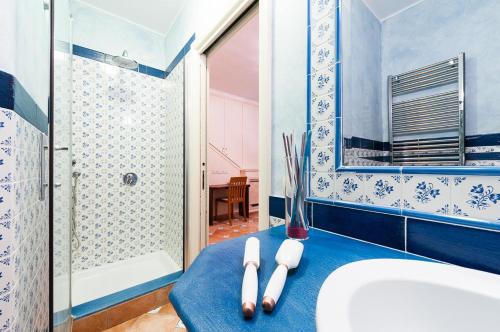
pixel 118 177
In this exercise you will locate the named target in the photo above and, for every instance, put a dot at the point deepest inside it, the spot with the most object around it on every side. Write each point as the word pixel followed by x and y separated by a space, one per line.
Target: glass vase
pixel 296 216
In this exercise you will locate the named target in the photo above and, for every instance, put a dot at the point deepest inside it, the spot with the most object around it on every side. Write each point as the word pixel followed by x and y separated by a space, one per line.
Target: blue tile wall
pixel 383 229
pixel 277 207
pixel 466 246
pixel 6 90
pixel 103 57
pixel 13 96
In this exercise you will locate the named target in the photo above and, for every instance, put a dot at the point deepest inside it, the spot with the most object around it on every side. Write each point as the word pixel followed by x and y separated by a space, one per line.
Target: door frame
pixel 196 111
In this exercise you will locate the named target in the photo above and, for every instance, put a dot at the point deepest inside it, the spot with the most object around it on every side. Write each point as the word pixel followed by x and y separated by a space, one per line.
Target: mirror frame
pixel 339 167
pixel 400 170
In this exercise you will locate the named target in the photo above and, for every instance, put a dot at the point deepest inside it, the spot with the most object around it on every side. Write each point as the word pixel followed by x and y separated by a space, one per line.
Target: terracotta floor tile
pixel 221 230
pixel 164 320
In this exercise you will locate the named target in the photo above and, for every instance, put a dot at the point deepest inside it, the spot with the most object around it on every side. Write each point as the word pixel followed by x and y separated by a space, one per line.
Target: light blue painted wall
pixel 289 87
pixel 362 67
pixel 25 40
pixel 197 16
pixel 8 36
pixel 435 30
pixel 104 32
pixel 32 50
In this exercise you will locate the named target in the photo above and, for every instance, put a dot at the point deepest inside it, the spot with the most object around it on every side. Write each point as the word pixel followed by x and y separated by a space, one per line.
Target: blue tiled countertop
pixel 208 296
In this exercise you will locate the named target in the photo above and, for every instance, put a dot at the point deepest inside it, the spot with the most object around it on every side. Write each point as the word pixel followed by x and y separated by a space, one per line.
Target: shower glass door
pixel 118 168
pixel 61 163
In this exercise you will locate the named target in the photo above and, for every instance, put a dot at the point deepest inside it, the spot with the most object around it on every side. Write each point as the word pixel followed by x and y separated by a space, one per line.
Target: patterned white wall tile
pixel 322 56
pixel 475 197
pixel 322 108
pixel 124 121
pixel 323 30
pixel 23 228
pixel 321 8
pixel 383 190
pixel 322 81
pixel 322 185
pixel 426 193
pixel 323 133
pixel 349 187
pixel 322 159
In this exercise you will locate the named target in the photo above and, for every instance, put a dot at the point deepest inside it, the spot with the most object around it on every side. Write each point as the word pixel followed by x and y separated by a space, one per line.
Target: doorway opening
pixel 233 131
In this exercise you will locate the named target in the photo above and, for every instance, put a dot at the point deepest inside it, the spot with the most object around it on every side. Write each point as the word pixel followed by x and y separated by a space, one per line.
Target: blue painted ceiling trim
pixel 182 53
pixel 107 301
pixel 103 57
pixel 13 96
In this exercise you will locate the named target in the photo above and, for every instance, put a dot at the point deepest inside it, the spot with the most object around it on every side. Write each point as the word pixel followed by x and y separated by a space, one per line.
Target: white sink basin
pixel 392 295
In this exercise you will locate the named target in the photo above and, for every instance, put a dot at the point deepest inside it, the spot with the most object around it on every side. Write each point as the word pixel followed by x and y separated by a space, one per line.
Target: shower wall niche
pixel 127 122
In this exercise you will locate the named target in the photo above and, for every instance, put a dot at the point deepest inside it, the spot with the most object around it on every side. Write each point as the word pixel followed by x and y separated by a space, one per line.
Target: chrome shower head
pixel 124 61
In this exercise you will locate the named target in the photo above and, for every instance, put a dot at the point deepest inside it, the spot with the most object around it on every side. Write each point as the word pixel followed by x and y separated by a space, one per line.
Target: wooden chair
pixel 235 194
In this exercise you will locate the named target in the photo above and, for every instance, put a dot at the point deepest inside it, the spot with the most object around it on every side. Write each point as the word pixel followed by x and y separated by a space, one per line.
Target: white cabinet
pixel 233 124
pixel 215 119
pixel 250 136
pixel 233 129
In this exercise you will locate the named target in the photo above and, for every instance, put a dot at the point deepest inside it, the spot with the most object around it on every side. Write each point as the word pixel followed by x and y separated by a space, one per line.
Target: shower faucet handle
pixel 130 179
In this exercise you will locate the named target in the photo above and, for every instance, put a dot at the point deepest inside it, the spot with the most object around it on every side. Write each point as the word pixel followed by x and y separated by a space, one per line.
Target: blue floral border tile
pixel 322 160
pixel 322 185
pixel 323 82
pixel 383 190
pixel 476 197
pixel 323 133
pixel 426 193
pixel 321 8
pixel 349 187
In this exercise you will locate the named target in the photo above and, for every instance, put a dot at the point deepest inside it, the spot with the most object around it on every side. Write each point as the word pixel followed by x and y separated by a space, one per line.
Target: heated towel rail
pixel 428 129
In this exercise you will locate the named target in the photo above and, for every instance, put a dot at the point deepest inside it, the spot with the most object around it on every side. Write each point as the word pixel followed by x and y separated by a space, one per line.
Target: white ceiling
pixel 156 15
pixel 234 66
pixel 384 9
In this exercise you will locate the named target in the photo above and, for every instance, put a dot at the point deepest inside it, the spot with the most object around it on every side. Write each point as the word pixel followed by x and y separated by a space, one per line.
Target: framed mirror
pixel 418 84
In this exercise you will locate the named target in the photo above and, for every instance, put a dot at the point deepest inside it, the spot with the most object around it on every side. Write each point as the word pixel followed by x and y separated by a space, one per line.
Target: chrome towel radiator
pixel 429 129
